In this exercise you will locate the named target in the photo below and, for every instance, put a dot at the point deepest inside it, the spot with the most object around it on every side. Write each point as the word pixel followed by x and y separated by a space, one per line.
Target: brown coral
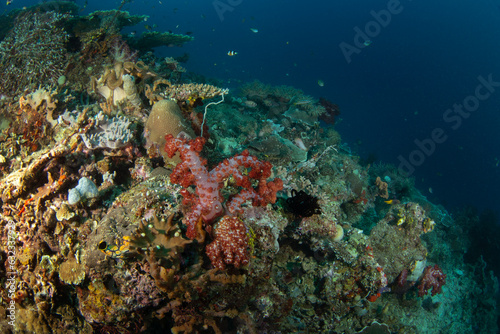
pixel 165 118
pixel 383 190
pixel 72 272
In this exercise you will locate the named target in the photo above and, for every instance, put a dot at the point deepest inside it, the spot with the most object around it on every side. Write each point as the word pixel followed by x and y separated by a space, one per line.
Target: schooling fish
pixel 232 53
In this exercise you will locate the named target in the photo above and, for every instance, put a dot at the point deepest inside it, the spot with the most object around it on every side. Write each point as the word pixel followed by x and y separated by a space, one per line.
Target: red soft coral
pixel 207 201
pixel 433 277
pixel 230 244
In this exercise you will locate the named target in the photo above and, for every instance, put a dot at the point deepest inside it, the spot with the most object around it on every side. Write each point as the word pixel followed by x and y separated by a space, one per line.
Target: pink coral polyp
pixel 230 245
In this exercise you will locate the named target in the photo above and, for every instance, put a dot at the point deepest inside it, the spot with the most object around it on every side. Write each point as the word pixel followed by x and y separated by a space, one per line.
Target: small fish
pixel 321 83
pixel 392 201
pixel 116 251
pixel 367 42
pixel 232 53
pixel 189 33
pixel 147 27
pixel 9 2
pixel 254 30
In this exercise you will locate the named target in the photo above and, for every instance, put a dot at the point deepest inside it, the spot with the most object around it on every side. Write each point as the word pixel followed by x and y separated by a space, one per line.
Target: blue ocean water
pixel 422 59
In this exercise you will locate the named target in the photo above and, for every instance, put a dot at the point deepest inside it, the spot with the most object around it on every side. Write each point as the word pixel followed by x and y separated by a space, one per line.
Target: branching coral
pixel 33 52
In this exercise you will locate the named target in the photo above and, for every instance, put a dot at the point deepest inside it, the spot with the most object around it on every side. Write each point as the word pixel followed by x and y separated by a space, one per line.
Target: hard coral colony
pixel 107 228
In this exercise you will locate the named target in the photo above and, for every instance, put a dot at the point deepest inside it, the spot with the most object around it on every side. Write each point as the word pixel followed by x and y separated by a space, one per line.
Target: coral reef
pixel 111 21
pixel 382 188
pixel 72 272
pixel 398 246
pixel 117 83
pixel 191 92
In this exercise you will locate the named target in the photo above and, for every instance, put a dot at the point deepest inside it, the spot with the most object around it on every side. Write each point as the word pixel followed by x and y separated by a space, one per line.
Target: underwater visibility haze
pixel 236 166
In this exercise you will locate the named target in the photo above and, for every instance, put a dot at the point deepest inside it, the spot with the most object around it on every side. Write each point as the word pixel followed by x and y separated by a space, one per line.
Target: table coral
pixel 191 92
pixel 152 39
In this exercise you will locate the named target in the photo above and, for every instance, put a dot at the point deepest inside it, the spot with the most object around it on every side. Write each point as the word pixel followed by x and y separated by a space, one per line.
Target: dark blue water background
pixel 395 91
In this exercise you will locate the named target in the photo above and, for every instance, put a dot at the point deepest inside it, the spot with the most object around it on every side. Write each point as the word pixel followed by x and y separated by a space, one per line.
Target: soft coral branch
pixel 207 200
